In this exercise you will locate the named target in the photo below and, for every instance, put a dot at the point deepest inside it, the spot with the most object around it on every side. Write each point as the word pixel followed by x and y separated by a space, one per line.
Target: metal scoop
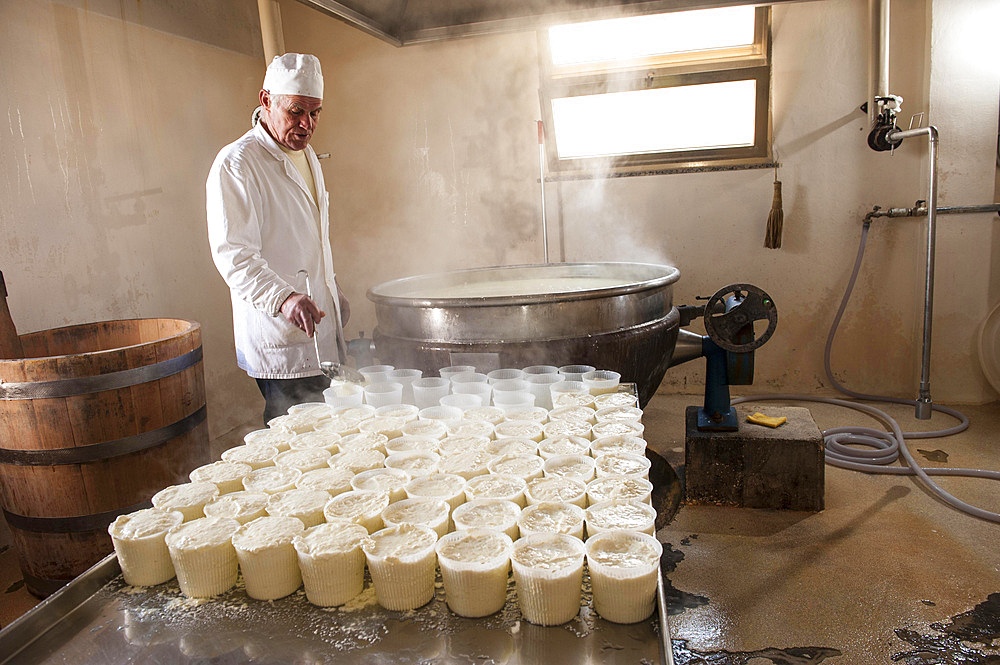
pixel 332 370
pixel 338 372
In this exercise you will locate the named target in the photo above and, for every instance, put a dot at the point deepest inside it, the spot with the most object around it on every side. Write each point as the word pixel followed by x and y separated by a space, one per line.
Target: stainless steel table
pixel 98 619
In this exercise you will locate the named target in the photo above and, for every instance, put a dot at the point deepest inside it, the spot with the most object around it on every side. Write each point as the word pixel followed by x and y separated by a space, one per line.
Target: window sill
pixel 664 169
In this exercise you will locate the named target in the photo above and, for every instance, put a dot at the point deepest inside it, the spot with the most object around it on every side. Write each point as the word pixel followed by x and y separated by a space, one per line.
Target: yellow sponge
pixel 768 421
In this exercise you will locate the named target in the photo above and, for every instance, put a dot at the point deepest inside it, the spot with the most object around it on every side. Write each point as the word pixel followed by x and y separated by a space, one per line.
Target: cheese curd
pixel 558 489
pixel 227 476
pixel 563 445
pixel 619 487
pixel 240 506
pixel 621 514
pixel 188 498
pixel 466 427
pixel 414 463
pixel 331 562
pixel 402 563
pixel 528 467
pixel 491 414
pixel 428 429
pixel 139 542
pixel 580 467
pixel 548 572
pixel 357 461
pixel 318 439
pixel 409 443
pixel 495 514
pixel 558 428
pixel 257 456
pixel 622 464
pixel 615 399
pixel 512 446
pixel 203 556
pixel 330 480
pixel 446 486
pixel 363 507
pixel 428 512
pixel 296 423
pixel 575 412
pixel 364 441
pixel 390 426
pixel 390 481
pixel 304 504
pixel 552 517
pixel 525 429
pixel 271 479
pixel 466 464
pixel 304 460
pixel 474 566
pixel 278 438
pixel 496 486
pixel 617 428
pixel 267 557
pixel 623 574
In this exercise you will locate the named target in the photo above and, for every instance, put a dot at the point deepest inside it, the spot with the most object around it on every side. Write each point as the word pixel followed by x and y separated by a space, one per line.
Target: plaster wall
pixel 111 116
pixel 435 167
pixel 114 111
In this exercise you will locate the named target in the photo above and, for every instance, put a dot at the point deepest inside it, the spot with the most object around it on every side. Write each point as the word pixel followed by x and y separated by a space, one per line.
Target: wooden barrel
pixel 94 420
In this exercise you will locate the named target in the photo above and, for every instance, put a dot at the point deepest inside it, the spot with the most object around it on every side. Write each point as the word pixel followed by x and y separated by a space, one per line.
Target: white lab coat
pixel 263 227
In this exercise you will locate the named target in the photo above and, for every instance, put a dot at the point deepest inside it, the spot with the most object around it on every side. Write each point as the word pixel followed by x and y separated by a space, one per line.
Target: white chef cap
pixel 294 74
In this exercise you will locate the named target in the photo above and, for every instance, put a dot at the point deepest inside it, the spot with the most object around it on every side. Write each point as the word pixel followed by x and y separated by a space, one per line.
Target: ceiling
pixel 403 22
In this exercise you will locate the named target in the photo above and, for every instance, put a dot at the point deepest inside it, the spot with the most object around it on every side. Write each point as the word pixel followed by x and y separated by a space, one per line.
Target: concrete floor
pixel 880 576
pixel 886 573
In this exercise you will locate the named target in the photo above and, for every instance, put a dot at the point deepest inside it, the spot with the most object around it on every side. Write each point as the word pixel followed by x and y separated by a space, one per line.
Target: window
pixel 682 89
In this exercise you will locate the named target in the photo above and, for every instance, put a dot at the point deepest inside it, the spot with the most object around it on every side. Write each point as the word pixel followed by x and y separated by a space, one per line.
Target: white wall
pixel 435 166
pixel 112 114
pixel 115 110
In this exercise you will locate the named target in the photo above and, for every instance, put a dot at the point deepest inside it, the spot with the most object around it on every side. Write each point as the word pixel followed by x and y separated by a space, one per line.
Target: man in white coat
pixel 269 230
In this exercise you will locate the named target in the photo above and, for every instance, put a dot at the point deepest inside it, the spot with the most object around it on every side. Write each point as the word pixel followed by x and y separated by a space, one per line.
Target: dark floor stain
pixel 934 455
pixel 791 656
pixel 15 586
pixel 929 603
pixel 677 601
pixel 980 625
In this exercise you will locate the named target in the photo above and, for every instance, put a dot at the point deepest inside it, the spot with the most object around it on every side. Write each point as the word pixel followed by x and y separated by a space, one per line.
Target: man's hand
pixel 301 311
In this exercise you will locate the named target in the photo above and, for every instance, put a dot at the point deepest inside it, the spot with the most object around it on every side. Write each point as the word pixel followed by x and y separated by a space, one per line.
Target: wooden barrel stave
pixel 167 413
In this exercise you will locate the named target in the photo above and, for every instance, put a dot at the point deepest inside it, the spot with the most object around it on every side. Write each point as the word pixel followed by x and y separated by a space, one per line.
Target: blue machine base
pixel 729 422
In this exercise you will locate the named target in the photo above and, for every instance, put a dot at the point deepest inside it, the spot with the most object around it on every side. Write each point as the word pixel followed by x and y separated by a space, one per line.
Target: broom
pixel 772 238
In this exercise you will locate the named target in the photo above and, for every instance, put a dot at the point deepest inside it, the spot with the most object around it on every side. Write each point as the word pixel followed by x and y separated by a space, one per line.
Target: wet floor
pixel 886 573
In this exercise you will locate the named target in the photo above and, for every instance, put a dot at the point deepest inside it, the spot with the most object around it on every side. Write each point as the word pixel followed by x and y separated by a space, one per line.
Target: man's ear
pixel 265 99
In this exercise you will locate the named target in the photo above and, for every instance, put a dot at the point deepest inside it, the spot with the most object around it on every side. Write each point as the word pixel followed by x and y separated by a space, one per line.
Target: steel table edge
pixel 666 646
pixel 19 634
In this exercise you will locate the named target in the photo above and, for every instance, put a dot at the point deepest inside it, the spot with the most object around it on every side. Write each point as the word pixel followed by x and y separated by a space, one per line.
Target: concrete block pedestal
pixel 756 466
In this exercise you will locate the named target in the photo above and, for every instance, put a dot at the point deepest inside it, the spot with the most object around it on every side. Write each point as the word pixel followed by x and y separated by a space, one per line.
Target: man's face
pixel 291 119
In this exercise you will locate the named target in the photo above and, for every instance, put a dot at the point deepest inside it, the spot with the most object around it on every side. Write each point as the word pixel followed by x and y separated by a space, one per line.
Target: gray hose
pixel 882 448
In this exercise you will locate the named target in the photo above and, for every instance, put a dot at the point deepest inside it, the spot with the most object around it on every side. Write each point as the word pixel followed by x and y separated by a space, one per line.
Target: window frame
pixel 671 70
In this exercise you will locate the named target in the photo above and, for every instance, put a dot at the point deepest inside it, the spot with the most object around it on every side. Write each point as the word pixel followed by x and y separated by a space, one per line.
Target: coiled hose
pixel 882 448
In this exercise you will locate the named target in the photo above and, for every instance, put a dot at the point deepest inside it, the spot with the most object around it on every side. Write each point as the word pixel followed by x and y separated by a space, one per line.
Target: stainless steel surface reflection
pixel 120 624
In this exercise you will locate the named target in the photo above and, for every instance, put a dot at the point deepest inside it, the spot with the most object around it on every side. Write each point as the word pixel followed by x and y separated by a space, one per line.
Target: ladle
pixel 332 370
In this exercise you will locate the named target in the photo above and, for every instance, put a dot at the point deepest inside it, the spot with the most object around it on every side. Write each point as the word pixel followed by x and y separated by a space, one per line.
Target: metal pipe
pixel 920 210
pixel 541 184
pixel 883 71
pixel 270 29
pixel 923 409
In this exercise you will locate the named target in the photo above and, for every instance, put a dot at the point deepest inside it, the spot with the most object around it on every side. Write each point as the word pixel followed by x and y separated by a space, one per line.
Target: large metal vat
pixel 617 316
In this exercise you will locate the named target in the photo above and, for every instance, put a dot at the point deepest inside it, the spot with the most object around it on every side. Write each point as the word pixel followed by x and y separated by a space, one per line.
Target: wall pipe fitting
pixel 923 408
